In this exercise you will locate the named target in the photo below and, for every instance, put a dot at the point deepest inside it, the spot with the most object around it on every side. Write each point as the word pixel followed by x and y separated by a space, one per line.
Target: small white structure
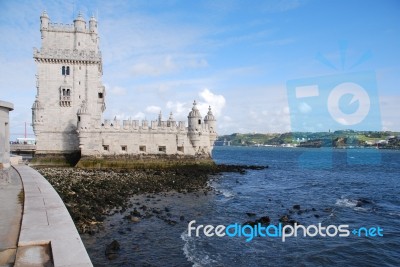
pixel 70 100
pixel 5 108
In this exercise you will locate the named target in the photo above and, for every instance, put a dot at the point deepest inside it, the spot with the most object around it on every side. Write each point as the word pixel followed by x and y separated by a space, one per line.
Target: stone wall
pixel 5 108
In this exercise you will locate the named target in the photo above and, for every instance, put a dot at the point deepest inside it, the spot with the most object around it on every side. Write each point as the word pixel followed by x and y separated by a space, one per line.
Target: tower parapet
pixel 80 23
pixel 69 70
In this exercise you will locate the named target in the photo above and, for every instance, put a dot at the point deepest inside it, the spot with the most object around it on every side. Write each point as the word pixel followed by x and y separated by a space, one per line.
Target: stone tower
pixel 69 71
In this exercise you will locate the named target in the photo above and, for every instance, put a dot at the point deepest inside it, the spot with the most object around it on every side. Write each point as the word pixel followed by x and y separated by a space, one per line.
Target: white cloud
pixel 153 109
pixel 139 116
pixel 217 102
pixel 304 108
pixel 180 110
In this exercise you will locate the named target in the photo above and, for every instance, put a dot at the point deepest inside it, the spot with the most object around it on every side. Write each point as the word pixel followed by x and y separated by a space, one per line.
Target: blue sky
pixel 236 56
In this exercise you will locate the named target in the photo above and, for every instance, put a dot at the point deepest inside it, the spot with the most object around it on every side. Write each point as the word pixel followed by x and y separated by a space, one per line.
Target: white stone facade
pixel 5 108
pixel 70 100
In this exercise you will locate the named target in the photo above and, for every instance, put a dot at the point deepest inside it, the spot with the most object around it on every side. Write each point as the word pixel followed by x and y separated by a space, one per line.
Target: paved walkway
pixel 46 236
pixel 10 215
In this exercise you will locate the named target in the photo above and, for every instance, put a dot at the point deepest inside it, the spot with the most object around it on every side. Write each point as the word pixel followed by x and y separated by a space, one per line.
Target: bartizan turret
pixel 44 23
pixel 195 126
pixel 80 23
pixel 211 122
pixel 83 117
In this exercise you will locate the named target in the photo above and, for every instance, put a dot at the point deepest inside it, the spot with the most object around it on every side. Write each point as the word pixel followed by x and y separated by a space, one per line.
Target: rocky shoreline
pixel 92 194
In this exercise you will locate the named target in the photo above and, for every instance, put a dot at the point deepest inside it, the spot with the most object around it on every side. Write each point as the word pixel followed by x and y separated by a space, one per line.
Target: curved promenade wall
pixel 46 221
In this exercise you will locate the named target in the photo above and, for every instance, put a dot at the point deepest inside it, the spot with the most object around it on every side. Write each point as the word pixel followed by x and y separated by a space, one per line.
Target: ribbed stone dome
pixel 209 116
pixel 195 113
pixel 83 109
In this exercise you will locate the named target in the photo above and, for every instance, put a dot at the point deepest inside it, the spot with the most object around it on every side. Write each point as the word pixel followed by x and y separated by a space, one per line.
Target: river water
pixel 358 188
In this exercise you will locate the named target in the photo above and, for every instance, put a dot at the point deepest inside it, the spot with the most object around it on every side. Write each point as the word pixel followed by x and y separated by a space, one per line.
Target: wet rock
pixel 155 211
pixel 135 219
pixel 136 213
pixel 316 215
pixel 284 219
pixel 296 207
pixel 112 250
pixel 171 222
pixel 250 214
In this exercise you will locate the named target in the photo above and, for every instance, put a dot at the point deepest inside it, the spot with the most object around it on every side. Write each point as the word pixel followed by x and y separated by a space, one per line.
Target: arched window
pixel 68 92
pixel 65 70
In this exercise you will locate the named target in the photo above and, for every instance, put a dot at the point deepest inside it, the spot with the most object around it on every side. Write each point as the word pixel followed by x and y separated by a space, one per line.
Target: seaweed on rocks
pixel 92 194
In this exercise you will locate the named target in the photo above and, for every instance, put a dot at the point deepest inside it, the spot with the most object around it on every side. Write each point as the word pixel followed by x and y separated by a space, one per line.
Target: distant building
pixel 5 108
pixel 70 101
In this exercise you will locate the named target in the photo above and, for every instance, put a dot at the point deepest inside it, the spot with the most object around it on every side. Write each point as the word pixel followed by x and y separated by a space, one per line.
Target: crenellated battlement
pixel 68 55
pixel 60 27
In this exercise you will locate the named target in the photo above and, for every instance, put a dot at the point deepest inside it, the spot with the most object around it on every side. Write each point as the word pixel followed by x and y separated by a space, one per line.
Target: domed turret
pixel 93 25
pixel 80 23
pixel 210 120
pixel 195 126
pixel 44 21
pixel 195 113
pixel 83 116
pixel 209 116
pixel 194 118
pixel 36 115
pixel 170 121
pixel 83 109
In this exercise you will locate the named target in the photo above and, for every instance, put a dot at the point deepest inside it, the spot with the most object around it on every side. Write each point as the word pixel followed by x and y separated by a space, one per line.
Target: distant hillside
pixel 338 139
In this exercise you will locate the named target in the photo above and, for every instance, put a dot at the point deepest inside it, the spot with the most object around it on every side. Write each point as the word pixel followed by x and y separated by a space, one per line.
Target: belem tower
pixel 70 100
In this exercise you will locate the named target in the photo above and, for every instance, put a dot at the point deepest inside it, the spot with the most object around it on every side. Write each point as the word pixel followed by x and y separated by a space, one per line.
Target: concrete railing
pixel 46 222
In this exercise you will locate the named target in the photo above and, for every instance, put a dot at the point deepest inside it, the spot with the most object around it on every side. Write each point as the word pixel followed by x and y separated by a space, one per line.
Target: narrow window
pixel 199 121
pixel 67 71
pixel 100 95
pixel 68 92
pixel 79 118
pixel 162 149
pixel 180 148
pixel 63 92
pixel 105 147
pixel 63 70
pixel 142 148
pixel 79 82
pixel 124 148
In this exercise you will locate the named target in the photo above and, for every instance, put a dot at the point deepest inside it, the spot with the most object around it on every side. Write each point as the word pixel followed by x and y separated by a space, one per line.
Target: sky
pixel 246 59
